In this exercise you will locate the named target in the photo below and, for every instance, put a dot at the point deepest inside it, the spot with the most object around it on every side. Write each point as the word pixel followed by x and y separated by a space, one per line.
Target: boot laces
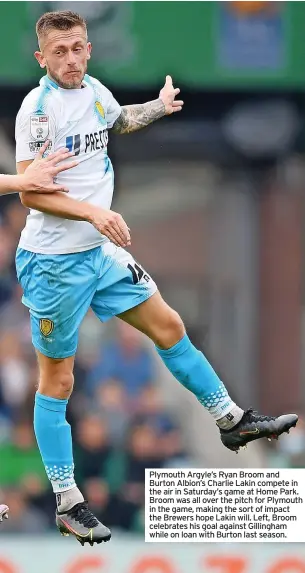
pixel 254 416
pixel 81 513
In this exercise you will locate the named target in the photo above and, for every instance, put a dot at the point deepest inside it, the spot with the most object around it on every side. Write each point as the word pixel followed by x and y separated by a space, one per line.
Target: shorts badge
pixel 46 326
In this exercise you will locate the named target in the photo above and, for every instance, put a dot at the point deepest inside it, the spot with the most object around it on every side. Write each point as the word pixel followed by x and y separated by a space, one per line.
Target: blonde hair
pixel 64 20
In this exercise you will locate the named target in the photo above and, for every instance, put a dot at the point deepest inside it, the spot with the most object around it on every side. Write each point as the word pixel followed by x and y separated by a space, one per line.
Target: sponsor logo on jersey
pixel 73 143
pixel 98 140
pixel 39 127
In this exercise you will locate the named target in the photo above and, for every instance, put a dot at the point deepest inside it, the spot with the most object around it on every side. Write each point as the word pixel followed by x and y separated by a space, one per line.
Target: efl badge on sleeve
pixel 46 326
pixel 39 127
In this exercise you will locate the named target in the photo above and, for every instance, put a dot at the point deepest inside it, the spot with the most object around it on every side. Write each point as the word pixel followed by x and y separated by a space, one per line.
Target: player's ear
pixel 89 50
pixel 40 59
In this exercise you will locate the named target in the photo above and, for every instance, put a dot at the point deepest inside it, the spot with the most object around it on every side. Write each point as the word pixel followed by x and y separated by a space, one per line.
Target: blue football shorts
pixel 59 290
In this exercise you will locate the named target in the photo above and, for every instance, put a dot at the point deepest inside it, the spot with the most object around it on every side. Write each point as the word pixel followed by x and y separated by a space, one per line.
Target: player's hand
pixel 3 512
pixel 168 94
pixel 40 174
pixel 112 225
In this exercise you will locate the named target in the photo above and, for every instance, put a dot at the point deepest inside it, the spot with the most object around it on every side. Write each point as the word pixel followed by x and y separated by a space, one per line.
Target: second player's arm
pixel 58 204
pixel 39 177
pixel 10 184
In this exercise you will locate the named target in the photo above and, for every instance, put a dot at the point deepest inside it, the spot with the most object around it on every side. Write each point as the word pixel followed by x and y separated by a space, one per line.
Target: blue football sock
pixel 190 367
pixel 53 434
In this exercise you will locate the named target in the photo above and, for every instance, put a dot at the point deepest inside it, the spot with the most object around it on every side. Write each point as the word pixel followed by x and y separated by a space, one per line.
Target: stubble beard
pixel 72 85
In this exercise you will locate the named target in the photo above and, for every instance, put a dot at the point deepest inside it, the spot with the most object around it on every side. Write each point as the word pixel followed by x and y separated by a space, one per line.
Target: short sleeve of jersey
pixel 111 106
pixel 113 110
pixel 32 129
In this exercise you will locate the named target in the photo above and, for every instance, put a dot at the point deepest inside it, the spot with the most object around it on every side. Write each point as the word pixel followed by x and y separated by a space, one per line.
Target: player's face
pixel 64 53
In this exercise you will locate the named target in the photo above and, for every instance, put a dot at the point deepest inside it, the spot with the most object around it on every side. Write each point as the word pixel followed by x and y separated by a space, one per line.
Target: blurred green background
pixel 203 44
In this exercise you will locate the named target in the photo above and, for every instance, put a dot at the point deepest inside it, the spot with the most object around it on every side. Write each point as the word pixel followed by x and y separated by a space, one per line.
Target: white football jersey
pixel 78 119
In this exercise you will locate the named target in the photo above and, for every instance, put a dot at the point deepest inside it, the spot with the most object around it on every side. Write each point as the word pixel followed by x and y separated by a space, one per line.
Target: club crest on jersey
pixel 39 127
pixel 100 109
pixel 46 326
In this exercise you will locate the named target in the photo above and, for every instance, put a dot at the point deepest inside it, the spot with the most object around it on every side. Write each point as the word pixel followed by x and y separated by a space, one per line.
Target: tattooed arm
pixel 135 117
